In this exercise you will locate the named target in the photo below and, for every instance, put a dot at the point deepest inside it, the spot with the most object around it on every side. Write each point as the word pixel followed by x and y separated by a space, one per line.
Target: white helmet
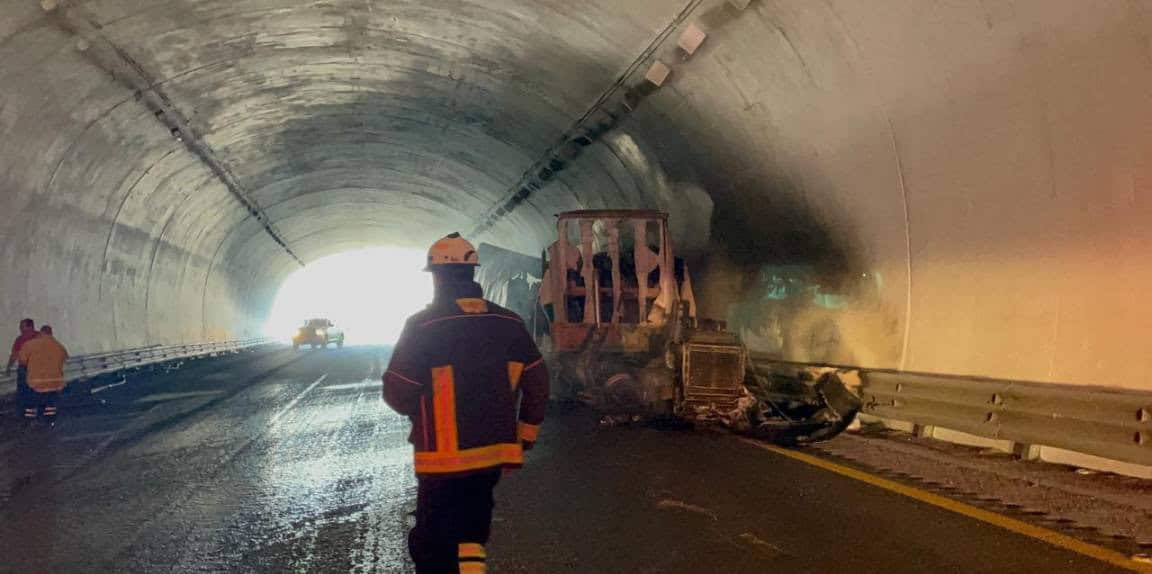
pixel 452 250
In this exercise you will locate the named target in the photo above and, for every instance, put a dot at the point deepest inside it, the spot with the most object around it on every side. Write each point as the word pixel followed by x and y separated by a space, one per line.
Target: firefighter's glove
pixel 527 444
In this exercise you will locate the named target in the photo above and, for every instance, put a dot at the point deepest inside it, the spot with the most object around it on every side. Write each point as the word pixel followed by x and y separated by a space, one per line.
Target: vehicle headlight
pixel 319 332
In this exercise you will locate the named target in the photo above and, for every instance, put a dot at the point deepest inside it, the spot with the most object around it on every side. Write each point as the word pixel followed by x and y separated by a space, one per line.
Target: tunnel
pixel 920 230
pixel 948 187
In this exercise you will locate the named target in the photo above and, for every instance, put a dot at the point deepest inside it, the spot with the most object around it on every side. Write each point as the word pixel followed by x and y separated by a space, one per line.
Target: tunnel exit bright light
pixel 368 293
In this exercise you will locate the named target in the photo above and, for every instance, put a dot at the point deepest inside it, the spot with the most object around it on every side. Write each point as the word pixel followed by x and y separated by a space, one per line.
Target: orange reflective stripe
pixel 473 568
pixel 472 550
pixel 515 369
pixel 444 409
pixel 472 306
pixel 468 459
pixel 529 432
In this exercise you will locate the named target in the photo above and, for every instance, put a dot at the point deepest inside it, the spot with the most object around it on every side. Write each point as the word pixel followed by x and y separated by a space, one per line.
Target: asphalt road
pixel 289 462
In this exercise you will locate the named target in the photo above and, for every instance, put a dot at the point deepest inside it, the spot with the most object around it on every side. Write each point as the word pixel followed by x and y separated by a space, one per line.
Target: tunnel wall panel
pixel 102 240
pixel 997 152
pixel 951 187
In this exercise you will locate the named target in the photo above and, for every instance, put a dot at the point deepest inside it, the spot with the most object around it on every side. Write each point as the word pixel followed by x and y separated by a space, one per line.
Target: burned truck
pixel 617 320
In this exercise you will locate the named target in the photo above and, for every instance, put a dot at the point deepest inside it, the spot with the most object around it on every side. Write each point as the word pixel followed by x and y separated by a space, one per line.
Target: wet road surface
pixel 289 462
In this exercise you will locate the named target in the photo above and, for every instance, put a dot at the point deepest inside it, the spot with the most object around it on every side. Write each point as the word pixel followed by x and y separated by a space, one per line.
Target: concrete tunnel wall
pixel 957 187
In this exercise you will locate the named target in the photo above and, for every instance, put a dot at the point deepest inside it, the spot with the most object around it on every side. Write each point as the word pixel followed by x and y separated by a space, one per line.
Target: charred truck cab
pixel 622 333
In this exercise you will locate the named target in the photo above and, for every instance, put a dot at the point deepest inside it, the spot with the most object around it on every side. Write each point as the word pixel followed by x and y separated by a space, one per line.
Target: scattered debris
pixel 669 503
pixel 812 406
pixel 103 388
pixel 761 543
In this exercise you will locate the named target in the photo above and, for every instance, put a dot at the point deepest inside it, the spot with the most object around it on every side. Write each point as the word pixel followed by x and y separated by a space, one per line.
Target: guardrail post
pixel 1024 451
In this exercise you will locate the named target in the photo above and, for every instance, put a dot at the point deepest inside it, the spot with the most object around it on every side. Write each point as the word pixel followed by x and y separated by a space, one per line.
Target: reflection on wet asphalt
pixel 286 463
pixel 289 462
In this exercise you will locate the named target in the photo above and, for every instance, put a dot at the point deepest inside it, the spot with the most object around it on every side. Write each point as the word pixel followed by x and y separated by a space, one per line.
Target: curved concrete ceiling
pixel 953 186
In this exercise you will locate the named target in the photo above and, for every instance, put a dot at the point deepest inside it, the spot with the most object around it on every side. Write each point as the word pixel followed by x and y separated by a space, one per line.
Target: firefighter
pixel 45 358
pixel 469 377
pixel 27 333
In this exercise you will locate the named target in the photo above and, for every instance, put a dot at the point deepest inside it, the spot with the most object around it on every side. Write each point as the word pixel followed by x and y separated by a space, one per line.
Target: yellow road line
pixel 1030 530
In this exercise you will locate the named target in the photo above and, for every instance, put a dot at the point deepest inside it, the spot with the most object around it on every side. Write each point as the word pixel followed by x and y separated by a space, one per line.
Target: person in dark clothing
pixel 27 333
pixel 467 374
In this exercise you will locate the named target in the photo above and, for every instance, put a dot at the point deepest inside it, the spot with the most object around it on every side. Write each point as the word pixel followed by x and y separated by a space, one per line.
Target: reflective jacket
pixel 44 357
pixel 470 378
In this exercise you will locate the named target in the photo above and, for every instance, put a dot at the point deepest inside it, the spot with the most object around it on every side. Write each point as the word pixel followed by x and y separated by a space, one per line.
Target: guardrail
pixel 96 364
pixel 1106 422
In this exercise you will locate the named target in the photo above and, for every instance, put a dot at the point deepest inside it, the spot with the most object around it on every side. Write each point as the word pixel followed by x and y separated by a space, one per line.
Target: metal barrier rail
pixel 96 364
pixel 1107 422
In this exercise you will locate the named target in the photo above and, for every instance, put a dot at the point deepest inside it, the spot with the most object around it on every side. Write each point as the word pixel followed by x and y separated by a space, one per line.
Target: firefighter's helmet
pixel 452 250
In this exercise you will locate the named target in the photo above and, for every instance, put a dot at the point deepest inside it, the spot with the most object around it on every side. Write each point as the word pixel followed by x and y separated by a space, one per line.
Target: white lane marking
pixel 160 397
pixel 276 417
pixel 361 385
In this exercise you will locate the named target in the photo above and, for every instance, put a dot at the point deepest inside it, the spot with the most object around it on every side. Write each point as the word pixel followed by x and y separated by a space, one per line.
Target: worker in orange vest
pixel 468 375
pixel 44 357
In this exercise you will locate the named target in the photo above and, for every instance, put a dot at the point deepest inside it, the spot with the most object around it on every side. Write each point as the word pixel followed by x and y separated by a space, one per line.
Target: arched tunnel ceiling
pixel 955 186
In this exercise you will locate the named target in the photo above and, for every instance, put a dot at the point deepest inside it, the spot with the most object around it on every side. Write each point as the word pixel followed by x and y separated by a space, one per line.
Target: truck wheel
pixel 313 345
pixel 340 344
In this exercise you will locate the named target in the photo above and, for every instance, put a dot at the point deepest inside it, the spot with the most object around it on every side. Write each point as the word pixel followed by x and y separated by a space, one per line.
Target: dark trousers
pixel 24 393
pixel 453 520
pixel 35 403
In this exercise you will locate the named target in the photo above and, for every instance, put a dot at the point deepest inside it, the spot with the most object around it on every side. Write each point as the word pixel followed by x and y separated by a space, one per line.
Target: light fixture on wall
pixel 658 73
pixel 691 39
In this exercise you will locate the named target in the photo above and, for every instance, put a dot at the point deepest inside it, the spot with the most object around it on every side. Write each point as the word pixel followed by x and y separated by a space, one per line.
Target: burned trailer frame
pixel 622 333
pixel 599 233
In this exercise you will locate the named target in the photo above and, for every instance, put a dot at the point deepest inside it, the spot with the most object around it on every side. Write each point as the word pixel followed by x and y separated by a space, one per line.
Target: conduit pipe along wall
pixel 956 187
